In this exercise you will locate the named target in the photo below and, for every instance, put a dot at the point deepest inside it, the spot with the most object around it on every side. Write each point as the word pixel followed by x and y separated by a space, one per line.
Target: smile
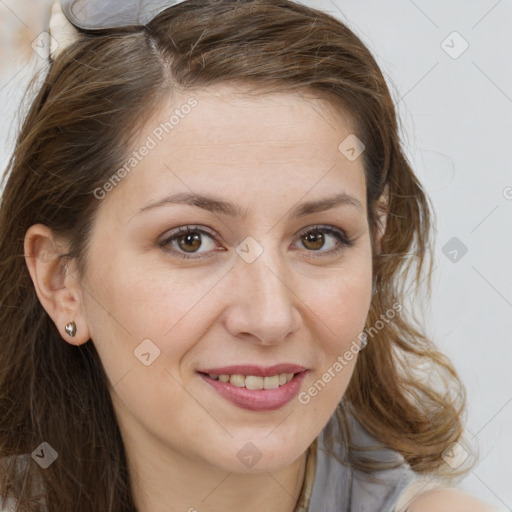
pixel 257 392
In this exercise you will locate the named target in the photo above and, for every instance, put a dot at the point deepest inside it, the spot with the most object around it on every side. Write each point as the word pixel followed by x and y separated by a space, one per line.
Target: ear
pixel 56 285
pixel 382 217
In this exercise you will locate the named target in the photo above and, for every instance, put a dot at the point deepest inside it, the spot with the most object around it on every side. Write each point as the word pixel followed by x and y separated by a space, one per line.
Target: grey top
pixel 340 488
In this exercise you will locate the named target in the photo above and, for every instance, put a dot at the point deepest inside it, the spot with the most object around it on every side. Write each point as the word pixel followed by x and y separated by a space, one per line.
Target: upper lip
pixel 258 371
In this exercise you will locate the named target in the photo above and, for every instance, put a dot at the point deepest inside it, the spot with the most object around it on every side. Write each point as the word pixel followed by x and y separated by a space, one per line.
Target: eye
pixel 188 239
pixel 319 237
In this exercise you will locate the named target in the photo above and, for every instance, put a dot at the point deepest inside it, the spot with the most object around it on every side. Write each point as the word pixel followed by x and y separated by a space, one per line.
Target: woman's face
pixel 264 279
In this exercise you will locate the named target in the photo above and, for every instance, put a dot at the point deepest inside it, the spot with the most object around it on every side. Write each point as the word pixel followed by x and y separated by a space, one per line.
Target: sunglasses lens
pixel 104 14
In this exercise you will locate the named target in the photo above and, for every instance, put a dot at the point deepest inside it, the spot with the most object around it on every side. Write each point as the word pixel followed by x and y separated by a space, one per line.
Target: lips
pixel 256 388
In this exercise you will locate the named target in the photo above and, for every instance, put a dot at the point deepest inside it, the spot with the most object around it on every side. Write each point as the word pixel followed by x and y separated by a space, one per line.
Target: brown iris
pixel 314 237
pixel 192 242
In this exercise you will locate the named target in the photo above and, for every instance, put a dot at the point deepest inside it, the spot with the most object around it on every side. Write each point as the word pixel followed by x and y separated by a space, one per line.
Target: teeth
pixel 237 380
pixel 254 382
pixel 271 382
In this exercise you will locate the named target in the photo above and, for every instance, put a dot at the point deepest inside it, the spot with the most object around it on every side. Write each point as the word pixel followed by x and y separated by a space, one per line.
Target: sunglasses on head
pixel 105 14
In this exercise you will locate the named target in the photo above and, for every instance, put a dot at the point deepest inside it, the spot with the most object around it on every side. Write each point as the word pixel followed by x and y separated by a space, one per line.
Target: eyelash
pixel 343 241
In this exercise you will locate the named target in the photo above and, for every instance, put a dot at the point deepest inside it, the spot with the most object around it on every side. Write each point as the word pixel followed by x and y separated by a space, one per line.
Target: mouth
pixel 256 388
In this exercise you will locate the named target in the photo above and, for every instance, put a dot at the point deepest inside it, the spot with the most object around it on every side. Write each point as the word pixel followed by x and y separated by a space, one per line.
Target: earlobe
pixel 57 289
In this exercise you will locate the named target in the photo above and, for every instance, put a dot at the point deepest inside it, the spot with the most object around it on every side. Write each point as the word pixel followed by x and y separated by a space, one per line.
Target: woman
pixel 216 217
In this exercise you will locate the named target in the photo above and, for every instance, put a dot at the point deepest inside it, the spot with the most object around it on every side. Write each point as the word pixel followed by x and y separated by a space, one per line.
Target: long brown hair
pixel 92 103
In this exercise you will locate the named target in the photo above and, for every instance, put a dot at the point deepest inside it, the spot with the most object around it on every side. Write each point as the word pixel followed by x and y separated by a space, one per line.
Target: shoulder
pixel 448 500
pixel 425 495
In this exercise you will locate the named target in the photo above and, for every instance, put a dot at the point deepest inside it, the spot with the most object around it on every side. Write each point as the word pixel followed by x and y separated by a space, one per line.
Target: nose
pixel 263 305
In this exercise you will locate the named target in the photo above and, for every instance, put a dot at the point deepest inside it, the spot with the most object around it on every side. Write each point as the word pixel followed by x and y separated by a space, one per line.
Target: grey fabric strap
pixel 340 488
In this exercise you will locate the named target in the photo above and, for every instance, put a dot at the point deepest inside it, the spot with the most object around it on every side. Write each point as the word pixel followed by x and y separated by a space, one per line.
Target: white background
pixel 457 119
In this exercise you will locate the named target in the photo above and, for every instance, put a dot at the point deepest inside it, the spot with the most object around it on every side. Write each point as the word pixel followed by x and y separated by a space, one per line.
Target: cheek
pixel 132 304
pixel 340 299
pixel 337 335
pixel 338 306
pixel 140 328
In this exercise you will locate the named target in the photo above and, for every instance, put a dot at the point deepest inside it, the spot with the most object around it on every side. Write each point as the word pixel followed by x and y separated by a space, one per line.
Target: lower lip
pixel 257 399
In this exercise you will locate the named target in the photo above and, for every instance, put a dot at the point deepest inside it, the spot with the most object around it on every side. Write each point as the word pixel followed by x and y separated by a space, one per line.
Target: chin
pixel 260 455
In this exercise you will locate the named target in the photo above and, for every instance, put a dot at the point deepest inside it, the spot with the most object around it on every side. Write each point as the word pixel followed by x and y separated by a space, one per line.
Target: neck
pixel 173 483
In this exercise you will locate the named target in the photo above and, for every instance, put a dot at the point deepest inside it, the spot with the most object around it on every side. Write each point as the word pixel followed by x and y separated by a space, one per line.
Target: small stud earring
pixel 70 329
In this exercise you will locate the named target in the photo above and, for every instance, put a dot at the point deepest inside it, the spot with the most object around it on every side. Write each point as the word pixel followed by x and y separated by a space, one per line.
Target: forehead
pixel 226 115
pixel 229 141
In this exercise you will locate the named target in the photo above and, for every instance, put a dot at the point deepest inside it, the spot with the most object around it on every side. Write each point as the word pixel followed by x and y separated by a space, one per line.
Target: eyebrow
pixel 216 205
